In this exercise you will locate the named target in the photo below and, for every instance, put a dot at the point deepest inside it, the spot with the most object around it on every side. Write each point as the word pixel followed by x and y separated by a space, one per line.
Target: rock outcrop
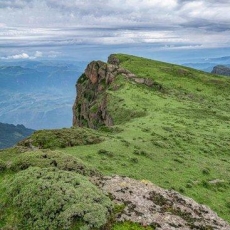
pixel 221 70
pixel 149 204
pixel 90 107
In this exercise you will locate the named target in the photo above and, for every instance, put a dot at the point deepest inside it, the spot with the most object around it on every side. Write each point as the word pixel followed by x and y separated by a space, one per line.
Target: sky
pixel 170 30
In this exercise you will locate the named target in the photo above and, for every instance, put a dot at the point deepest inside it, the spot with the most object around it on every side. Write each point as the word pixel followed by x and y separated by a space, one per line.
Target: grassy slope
pixel 182 141
pixel 184 138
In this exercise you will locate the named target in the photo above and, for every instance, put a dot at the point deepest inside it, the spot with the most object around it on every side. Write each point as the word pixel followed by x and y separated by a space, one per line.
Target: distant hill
pixel 208 64
pixel 11 134
pixel 221 70
pixel 38 94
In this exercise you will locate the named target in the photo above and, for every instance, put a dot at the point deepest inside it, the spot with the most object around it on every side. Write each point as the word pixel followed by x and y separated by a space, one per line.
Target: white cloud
pixel 17 56
pixel 38 54
pixel 23 56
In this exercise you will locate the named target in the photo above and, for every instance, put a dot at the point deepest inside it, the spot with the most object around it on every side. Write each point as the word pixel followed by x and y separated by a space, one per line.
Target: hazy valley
pixel 38 94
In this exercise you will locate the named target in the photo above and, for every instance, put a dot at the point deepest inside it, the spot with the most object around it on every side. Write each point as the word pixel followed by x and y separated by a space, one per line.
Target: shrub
pixel 52 159
pixel 134 160
pixel 105 153
pixel 61 138
pixel 50 198
pixel 206 171
pixel 2 165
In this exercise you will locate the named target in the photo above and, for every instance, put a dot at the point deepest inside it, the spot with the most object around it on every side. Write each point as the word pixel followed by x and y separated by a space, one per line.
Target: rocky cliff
pixel 90 107
pixel 221 70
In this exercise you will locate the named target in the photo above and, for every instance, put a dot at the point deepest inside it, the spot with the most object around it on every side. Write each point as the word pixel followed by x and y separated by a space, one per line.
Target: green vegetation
pixel 61 138
pixel 49 159
pixel 54 199
pixel 131 226
pixel 176 137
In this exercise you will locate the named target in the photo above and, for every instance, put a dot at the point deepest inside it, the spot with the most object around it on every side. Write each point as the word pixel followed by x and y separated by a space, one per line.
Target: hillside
pixel 12 134
pixel 150 121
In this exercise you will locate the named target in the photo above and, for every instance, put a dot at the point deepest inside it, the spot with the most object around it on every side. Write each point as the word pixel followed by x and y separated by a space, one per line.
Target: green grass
pixel 182 131
pixel 177 137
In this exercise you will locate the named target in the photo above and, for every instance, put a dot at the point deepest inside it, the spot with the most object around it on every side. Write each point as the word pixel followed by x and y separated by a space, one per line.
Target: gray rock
pixel 113 60
pixel 221 70
pixel 149 204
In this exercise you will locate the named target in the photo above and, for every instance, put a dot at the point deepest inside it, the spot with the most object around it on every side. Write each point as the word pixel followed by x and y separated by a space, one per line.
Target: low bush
pixel 50 158
pixel 49 198
pixel 105 153
pixel 2 165
pixel 61 138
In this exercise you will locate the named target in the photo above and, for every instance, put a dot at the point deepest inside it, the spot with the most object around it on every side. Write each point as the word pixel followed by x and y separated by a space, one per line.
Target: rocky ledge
pixel 148 204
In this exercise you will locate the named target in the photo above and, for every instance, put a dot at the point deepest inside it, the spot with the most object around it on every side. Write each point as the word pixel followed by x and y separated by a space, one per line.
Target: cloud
pixel 60 23
pixel 23 56
pixel 38 54
pixel 14 3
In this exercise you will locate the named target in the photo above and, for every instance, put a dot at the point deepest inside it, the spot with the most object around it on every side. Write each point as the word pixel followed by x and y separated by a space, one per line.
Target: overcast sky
pixel 33 29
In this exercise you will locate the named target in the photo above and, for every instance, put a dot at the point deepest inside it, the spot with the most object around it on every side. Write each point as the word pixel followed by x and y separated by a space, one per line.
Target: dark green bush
pixel 105 153
pixel 134 160
pixel 52 159
pixel 2 165
pixel 206 171
pixel 61 138
pixel 49 198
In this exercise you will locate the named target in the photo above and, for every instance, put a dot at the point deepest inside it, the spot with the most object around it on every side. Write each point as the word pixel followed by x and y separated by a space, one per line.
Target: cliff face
pixel 90 107
pixel 221 70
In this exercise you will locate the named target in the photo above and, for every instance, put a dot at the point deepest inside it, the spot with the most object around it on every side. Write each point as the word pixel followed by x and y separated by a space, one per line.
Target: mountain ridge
pixel 12 134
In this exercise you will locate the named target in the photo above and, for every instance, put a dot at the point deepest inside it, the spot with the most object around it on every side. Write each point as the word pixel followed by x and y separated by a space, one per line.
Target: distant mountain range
pixel 38 94
pixel 208 64
pixel 11 134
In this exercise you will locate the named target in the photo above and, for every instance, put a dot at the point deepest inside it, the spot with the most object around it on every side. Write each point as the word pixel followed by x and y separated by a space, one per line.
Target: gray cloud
pixel 14 3
pixel 170 24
